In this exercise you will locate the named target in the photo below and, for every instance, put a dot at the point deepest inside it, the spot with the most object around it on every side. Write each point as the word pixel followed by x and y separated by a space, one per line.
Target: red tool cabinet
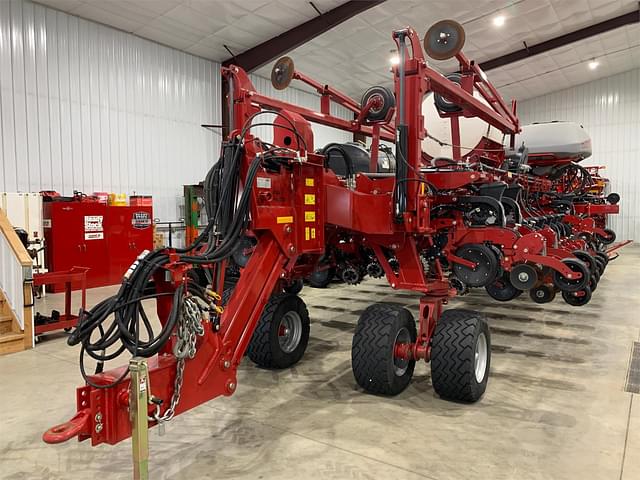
pixel 128 232
pixel 105 239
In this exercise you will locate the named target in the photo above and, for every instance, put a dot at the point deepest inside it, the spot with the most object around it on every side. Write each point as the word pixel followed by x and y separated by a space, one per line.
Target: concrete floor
pixel 555 406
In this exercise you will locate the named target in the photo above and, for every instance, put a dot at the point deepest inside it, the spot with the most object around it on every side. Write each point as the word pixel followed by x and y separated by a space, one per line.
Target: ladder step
pixel 10 337
pixel 5 324
pixel 11 343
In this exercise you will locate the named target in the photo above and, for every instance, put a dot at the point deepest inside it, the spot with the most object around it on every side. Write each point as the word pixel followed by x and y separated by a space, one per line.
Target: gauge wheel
pixel 578 298
pixel 502 289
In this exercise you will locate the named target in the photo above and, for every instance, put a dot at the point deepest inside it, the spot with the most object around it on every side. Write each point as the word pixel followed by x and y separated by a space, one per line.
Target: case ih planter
pixel 429 225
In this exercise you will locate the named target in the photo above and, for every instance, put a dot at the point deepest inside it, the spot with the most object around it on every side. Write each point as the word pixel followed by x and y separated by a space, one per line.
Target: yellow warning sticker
pixel 309 199
pixel 309 182
pixel 306 233
pixel 284 219
pixel 313 233
pixel 310 216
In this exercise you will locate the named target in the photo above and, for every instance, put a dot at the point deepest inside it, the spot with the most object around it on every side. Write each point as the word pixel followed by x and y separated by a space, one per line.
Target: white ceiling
pixel 355 54
pixel 201 27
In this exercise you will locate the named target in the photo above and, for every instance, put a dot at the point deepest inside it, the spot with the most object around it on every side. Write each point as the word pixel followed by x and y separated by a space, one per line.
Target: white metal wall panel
pixel 609 109
pixel 24 210
pixel 87 107
pixel 322 135
pixel 12 277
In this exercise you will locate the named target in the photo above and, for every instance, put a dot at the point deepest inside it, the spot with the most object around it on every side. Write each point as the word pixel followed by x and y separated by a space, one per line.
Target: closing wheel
pixel 502 289
pixel 601 265
pixel 579 298
pixel 523 276
pixel 282 333
pixel 375 366
pixel 542 294
pixel 570 284
pixel 384 101
pixel 486 269
pixel 461 355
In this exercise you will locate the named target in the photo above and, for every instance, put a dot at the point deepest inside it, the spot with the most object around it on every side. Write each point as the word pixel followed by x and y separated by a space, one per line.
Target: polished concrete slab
pixel 555 407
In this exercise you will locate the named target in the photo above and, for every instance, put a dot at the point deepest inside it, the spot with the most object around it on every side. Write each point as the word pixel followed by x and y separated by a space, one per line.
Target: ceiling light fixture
pixel 498 21
pixel 394 60
pixel 593 64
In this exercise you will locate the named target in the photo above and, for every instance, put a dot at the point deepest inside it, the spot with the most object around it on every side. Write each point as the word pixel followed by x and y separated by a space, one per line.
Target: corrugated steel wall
pixel 87 107
pixel 609 109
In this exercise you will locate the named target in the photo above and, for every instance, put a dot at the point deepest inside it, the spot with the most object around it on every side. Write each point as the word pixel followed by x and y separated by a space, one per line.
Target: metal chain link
pixel 189 328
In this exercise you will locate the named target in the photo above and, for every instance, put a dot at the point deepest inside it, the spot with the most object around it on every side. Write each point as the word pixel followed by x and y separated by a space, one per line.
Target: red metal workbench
pixel 75 276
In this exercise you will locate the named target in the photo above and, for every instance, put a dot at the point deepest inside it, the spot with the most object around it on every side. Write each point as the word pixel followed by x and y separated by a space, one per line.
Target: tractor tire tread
pixel 371 346
pixel 452 355
pixel 260 350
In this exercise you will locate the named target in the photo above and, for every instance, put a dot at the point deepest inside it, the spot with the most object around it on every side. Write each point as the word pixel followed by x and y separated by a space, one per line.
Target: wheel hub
pixel 290 331
pixel 481 355
pixel 400 364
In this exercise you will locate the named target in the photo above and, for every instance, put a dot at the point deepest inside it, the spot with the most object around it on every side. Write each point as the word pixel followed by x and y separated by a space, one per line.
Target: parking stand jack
pixel 139 420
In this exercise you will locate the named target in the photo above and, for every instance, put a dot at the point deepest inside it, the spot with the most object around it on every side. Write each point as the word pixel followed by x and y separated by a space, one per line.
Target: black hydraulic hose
pixel 228 218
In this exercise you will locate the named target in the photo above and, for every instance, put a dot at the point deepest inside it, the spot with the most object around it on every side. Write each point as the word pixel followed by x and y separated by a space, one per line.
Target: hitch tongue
pixel 65 431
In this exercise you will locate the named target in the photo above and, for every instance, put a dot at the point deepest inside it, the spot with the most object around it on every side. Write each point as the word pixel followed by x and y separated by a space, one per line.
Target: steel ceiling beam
pixel 287 41
pixel 562 40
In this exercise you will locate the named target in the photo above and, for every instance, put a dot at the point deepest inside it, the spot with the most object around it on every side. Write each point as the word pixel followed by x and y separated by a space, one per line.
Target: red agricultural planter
pixel 284 209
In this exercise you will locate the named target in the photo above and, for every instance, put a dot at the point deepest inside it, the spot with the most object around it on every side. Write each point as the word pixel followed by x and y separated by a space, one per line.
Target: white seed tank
pixel 472 130
pixel 556 140
pixel 560 140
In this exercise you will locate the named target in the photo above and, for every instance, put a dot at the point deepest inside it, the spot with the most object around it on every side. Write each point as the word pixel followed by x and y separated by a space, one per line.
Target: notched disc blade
pixel 282 73
pixel 444 39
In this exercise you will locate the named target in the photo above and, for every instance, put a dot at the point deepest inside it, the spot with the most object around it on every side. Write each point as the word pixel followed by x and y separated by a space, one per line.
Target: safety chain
pixel 189 328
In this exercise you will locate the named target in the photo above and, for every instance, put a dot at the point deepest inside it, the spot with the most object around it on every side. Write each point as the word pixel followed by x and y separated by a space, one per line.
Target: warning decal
pixel 93 223
pixel 141 220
